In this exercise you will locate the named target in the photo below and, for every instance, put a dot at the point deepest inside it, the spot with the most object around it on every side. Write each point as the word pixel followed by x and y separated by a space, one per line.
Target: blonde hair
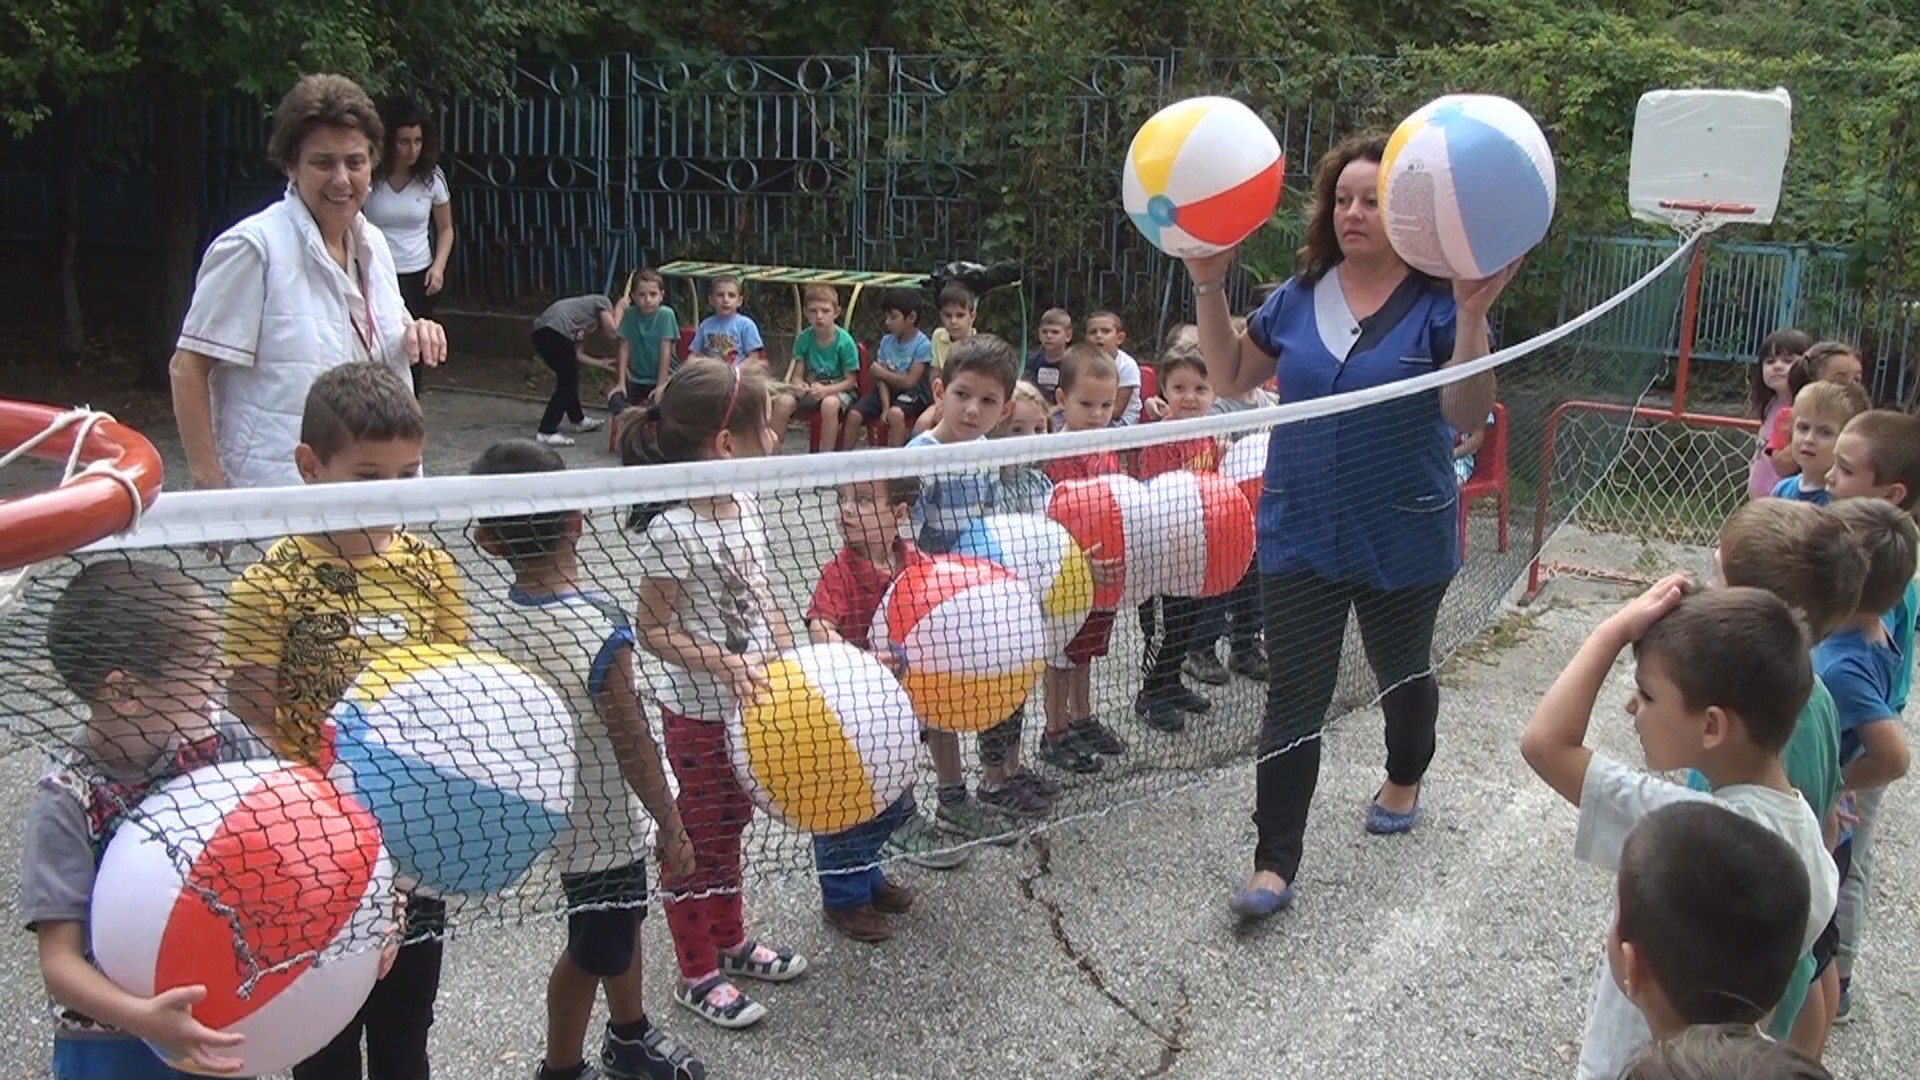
pixel 820 292
pixel 1025 393
pixel 1085 361
pixel 1840 402
pixel 1055 316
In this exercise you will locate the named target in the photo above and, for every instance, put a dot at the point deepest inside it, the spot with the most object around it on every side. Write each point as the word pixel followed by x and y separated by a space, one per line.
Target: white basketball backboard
pixel 1713 154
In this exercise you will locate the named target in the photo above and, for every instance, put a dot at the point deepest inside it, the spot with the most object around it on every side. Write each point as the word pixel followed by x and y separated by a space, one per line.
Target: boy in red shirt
pixel 855 895
pixel 1167 623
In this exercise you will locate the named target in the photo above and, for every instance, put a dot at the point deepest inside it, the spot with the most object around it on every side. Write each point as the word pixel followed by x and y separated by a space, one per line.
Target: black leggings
pixel 397 1014
pixel 1167 628
pixel 557 350
pixel 413 290
pixel 1306 625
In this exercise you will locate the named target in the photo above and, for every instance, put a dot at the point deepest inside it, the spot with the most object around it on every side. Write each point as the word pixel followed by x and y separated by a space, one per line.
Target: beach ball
pixel 973 638
pixel 466 760
pixel 829 743
pixel 1207 536
pixel 1112 518
pixel 1466 186
pixel 1245 464
pixel 1042 553
pixel 260 881
pixel 1201 175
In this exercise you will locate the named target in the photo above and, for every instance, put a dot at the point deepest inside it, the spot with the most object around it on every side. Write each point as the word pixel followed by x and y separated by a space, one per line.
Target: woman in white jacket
pixel 298 288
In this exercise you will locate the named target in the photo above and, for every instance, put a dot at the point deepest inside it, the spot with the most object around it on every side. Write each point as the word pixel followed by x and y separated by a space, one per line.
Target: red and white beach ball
pixel 1208 532
pixel 1245 464
pixel 973 638
pixel 1112 518
pixel 260 881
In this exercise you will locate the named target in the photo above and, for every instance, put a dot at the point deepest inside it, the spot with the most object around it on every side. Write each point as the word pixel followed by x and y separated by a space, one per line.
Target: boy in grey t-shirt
pixel 138 644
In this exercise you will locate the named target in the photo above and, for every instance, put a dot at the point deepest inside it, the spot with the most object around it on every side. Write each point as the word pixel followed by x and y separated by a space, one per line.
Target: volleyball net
pixel 452 724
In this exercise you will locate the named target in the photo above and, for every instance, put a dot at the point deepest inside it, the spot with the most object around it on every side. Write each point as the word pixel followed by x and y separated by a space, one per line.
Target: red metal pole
pixel 1689 325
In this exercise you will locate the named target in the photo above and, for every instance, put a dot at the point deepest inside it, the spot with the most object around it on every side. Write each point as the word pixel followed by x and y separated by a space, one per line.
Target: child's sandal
pixel 785 966
pixel 741 1012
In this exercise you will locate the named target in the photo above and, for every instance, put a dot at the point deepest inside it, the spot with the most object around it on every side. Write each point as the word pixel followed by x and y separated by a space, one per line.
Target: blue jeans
pixel 124 1058
pixel 847 860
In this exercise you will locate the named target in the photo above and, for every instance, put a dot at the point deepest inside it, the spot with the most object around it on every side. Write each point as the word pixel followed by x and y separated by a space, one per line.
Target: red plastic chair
pixel 860 387
pixel 1489 478
pixel 1149 389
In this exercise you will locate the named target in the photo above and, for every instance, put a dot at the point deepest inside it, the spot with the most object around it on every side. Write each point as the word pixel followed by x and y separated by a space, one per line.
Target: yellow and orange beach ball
pixel 972 636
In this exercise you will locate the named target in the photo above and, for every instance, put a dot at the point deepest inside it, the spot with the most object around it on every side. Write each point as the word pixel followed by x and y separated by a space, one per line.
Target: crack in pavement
pixel 1173 1040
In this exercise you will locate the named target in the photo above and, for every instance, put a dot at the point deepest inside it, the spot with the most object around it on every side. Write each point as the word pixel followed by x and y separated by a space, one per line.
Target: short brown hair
pixel 1740 649
pixel 1321 252
pixel 648 273
pixel 123 615
pixel 1056 316
pixel 1827 400
pixel 1891 540
pixel 318 101
pixel 987 355
pixel 1893 449
pixel 1722 1052
pixel 523 539
pixel 356 403
pixel 1180 355
pixel 1084 360
pixel 820 292
pixel 954 293
pixel 1800 553
pixel 1119 323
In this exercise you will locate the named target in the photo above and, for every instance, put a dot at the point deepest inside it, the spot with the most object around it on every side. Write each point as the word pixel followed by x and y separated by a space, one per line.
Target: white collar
pixel 1339 330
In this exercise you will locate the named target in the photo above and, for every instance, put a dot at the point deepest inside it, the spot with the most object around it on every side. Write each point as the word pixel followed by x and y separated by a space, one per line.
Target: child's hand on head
pixel 1638 616
pixel 168 1023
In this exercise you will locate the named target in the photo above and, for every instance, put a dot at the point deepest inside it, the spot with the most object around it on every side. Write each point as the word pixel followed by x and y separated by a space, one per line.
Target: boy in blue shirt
pixel 1820 411
pixel 901 372
pixel 649 333
pixel 727 334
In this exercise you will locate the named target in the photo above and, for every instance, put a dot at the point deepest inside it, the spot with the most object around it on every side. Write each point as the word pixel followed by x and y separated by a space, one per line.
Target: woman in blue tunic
pixel 1357 511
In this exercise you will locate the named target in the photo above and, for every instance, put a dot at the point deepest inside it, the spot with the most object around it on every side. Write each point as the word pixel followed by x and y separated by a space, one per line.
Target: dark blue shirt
pixel 1861 675
pixel 1365 495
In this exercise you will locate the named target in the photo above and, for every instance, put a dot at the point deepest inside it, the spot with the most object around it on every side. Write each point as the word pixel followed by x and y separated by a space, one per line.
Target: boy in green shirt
pixel 825 368
pixel 649 330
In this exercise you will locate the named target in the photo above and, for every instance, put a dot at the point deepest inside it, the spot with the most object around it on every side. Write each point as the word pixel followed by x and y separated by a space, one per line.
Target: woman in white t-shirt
pixel 410 203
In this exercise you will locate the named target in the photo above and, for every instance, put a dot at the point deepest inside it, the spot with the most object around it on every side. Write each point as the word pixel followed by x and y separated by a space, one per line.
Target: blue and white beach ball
pixel 1466 186
pixel 466 761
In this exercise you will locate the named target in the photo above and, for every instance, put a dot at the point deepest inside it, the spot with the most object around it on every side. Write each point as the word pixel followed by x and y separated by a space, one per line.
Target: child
pixel 855 895
pixel 1806 557
pixel 957 309
pixel 977 386
pixel 1720 677
pixel 300 624
pixel 580 642
pixel 560 338
pixel 1768 400
pixel 1820 410
pixel 1709 909
pixel 138 645
pixel 649 333
pixel 1722 1052
pixel 1827 361
pixel 1043 364
pixel 903 361
pixel 727 334
pixel 825 369
pixel 706 609
pixel 1168 623
pixel 1862 664
pixel 1075 739
pixel 1108 333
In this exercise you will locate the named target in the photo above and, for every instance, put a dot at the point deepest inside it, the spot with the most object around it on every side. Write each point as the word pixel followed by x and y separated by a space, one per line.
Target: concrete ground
pixel 1101 947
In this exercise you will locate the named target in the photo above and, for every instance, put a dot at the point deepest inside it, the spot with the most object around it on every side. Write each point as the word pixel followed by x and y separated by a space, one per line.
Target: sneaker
pixel 553 438
pixel 968 820
pixel 591 423
pixel 1158 712
pixel 1248 664
pixel 1206 667
pixel 892 899
pixel 923 846
pixel 1843 1012
pixel 1096 737
pixel 1184 699
pixel 863 924
pixel 721 1003
pixel 653 1056
pixel 1067 754
pixel 1016 800
pixel 1043 786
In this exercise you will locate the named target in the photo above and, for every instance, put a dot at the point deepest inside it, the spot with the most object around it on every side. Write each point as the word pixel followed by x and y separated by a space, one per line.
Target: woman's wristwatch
pixel 1208 288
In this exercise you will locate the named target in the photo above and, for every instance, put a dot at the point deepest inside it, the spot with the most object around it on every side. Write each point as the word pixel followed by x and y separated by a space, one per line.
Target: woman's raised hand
pixel 1476 298
pixel 1207 268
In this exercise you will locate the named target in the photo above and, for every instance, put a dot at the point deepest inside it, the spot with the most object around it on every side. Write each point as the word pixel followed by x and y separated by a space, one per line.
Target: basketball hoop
pixel 111 476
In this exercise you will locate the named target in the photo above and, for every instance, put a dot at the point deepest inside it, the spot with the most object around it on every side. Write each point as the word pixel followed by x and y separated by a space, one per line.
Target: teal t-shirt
pixel 643 335
pixel 1899 623
pixel 1812 763
pixel 829 363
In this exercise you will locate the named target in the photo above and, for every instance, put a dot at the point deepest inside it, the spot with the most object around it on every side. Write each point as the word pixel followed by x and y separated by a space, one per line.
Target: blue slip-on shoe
pixel 1384 822
pixel 1260 903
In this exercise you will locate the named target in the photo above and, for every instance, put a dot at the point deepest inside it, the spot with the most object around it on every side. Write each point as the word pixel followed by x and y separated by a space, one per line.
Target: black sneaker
pixel 1248 664
pixel 1206 667
pixel 653 1056
pixel 1042 786
pixel 1096 737
pixel 1184 699
pixel 1158 712
pixel 1068 754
